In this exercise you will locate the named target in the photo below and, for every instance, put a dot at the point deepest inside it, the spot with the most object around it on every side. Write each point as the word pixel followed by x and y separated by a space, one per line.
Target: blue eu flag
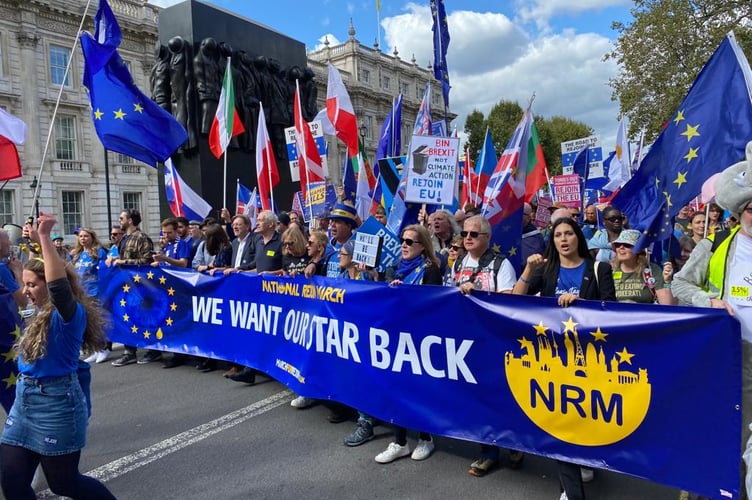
pixel 440 46
pixel 125 119
pixel 706 134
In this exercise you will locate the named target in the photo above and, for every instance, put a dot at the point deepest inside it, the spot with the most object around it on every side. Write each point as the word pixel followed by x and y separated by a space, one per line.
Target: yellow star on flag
pixel 513 251
pixel 126 288
pixel 679 117
pixel 168 321
pixel 150 275
pixel 98 114
pixel 625 356
pixel 162 280
pixel 9 355
pixel 119 115
pixel 173 307
pixel 599 335
pixel 691 155
pixel 10 380
pixel 137 278
pixel 668 199
pixel 691 132
pixel 170 291
pixel 569 325
pixel 540 329
pixel 126 318
pixel 137 108
pixel 496 248
pixel 122 302
pixel 525 344
pixel 134 329
pixel 17 332
pixel 147 334
pixel 681 178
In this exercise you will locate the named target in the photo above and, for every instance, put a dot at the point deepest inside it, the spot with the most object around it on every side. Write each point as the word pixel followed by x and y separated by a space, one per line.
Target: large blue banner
pixel 650 391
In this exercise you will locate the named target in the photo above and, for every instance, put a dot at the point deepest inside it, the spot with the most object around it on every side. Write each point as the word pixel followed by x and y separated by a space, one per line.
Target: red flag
pixel 309 160
pixel 471 179
pixel 12 132
pixel 340 111
pixel 266 165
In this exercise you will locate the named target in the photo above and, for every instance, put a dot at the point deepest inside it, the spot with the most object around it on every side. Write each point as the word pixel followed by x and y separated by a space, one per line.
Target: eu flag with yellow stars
pixel 10 329
pixel 125 119
pixel 707 133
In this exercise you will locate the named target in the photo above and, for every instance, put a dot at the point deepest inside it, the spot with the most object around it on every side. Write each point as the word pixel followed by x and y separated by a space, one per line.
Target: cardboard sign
pixel 391 249
pixel 567 190
pixel 367 249
pixel 432 170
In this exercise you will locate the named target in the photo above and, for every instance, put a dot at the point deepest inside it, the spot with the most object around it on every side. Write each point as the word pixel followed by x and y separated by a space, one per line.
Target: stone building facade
pixel 36 46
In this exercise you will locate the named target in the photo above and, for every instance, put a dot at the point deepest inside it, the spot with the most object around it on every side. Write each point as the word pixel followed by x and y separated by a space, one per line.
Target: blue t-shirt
pixel 7 278
pixel 332 259
pixel 63 346
pixel 570 280
pixel 178 249
pixel 87 268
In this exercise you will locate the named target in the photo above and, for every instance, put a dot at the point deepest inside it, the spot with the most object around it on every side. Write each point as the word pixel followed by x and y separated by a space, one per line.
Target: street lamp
pixel 363 130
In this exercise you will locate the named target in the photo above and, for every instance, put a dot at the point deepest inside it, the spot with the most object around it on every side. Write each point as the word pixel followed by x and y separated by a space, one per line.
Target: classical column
pixel 28 41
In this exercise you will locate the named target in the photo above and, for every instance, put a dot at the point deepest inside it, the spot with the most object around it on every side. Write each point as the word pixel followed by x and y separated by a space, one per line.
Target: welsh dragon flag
pixel 226 124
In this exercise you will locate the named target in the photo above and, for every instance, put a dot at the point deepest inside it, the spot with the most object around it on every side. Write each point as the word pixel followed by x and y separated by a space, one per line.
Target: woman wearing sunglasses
pixel 635 278
pixel 456 253
pixel 600 244
pixel 294 255
pixel 566 270
pixel 316 247
pixel 418 265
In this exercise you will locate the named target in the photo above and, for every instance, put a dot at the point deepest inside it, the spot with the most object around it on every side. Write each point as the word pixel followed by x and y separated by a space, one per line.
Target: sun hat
pixel 344 213
pixel 628 237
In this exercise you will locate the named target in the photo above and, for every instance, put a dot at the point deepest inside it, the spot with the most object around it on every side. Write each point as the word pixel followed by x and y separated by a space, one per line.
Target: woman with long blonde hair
pixel 48 420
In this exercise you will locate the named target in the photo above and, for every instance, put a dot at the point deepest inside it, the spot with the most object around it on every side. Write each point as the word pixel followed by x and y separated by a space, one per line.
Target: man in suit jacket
pixel 243 251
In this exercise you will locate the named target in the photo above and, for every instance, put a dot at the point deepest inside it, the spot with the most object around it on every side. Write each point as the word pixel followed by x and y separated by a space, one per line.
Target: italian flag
pixel 226 124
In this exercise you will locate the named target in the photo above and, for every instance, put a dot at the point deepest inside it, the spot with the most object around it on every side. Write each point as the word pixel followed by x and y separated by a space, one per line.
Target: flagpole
pixel 107 188
pixel 224 180
pixel 237 193
pixel 35 198
pixel 305 158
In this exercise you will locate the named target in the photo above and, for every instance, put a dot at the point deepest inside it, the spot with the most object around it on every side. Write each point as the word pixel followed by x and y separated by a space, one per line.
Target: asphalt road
pixel 182 434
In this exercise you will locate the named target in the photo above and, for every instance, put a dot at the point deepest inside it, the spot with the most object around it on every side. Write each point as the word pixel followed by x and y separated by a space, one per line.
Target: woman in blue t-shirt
pixel 87 257
pixel 566 270
pixel 48 420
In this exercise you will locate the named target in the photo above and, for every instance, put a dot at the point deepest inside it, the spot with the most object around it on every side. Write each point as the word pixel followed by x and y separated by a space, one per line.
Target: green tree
pixel 663 49
pixel 502 120
pixel 475 128
pixel 555 130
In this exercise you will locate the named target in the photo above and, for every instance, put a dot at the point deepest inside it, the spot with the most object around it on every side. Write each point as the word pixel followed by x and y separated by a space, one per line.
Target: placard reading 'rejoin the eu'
pixel 432 170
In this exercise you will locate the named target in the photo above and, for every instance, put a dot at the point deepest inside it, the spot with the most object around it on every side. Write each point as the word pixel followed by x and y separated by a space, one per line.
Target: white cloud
pixel 492 59
pixel 164 3
pixel 541 11
pixel 328 37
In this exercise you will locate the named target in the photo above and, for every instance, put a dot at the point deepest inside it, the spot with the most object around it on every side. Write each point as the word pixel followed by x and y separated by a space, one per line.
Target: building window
pixel 6 207
pixel 132 201
pixel 122 159
pixel 59 57
pixel 418 91
pixel 365 76
pixel 385 82
pixel 405 88
pixel 368 122
pixel 73 210
pixel 65 137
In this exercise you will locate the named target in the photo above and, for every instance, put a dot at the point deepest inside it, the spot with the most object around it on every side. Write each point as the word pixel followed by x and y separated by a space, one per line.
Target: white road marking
pixel 175 443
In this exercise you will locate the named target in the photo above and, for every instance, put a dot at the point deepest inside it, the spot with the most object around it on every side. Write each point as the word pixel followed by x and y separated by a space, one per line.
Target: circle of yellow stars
pixel 8 357
pixel 125 317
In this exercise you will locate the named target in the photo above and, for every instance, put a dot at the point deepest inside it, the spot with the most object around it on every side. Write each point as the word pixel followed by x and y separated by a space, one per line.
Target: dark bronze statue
pixel 208 82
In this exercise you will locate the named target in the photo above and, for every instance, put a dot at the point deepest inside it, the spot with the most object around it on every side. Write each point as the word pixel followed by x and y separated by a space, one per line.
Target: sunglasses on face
pixel 287 243
pixel 472 234
pixel 407 241
pixel 615 218
pixel 619 245
pixel 456 248
pixel 310 243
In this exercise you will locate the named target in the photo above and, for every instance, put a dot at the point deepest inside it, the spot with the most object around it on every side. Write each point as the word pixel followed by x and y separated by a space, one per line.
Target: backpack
pixel 483 262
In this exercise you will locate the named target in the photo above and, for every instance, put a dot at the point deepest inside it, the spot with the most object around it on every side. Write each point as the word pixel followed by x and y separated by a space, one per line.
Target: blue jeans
pixel 48 417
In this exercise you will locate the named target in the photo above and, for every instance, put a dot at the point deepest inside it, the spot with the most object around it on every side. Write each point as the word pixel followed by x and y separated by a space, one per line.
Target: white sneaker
pixel 392 453
pixel 102 356
pixel 92 358
pixel 587 474
pixel 422 450
pixel 563 496
pixel 300 402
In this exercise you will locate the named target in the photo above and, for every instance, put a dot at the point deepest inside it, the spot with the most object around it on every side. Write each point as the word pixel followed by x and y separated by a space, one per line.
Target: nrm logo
pixel 576 394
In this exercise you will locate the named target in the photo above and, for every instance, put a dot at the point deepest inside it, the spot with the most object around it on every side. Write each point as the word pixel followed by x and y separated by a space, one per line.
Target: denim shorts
pixel 49 415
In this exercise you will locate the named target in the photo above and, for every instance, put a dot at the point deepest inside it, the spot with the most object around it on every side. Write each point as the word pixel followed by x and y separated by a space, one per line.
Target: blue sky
pixel 499 50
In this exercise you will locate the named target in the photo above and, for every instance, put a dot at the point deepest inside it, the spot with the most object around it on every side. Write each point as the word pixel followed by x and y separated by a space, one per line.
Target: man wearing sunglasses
pixel 483 269
pixel 600 244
